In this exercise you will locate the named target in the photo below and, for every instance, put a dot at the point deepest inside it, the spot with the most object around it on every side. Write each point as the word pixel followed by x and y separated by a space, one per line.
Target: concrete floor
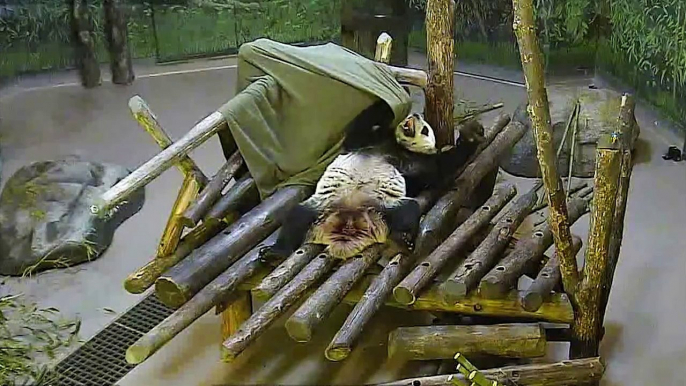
pixel 47 117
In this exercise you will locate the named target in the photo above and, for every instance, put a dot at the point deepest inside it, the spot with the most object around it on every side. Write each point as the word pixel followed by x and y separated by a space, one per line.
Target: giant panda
pixel 366 195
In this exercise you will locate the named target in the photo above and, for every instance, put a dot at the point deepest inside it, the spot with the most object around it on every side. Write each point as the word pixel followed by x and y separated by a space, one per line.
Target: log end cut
pixel 170 293
pixel 532 301
pixel 403 296
pixel 452 291
pixel 298 330
pixel 337 353
pixel 137 354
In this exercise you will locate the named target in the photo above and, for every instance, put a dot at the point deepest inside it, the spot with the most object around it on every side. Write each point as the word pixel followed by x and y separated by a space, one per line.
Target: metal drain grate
pixel 101 361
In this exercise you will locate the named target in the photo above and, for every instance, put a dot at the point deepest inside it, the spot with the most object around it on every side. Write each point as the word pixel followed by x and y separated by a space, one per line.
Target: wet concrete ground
pixel 51 116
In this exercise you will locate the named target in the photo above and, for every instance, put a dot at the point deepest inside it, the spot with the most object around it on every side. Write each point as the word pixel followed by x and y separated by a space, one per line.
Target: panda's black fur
pixel 384 205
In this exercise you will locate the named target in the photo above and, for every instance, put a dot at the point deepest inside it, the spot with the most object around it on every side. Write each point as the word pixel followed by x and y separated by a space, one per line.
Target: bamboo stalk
pixel 212 191
pixel 408 289
pixel 546 281
pixel 516 340
pixel 286 271
pixel 436 225
pixel 218 291
pixel 204 264
pixel 172 231
pixel 241 197
pixel 539 111
pixel 565 373
pixel 305 320
pixel 527 252
pixel 237 310
pixel 587 327
pixel 440 21
pixel 466 277
pixel 277 305
pixel 148 121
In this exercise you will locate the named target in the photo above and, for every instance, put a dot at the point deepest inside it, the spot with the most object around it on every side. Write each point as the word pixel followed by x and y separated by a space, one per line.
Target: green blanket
pixel 293 104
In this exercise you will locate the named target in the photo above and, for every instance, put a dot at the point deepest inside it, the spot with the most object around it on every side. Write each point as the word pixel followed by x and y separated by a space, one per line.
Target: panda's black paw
pixel 271 256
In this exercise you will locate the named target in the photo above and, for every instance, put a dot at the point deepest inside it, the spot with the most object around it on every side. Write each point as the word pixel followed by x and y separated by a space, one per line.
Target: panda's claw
pixel 271 256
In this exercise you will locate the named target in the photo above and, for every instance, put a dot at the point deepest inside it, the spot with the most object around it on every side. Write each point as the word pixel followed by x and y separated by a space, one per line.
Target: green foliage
pixel 29 335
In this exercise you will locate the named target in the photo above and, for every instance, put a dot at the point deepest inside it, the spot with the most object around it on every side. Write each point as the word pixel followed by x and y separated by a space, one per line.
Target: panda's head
pixel 416 135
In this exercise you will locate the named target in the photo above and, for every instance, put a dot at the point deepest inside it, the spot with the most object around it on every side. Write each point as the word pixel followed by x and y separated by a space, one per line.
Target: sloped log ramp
pixel 565 373
pixel 436 225
pixel 466 277
pixel 517 340
pixel 548 279
pixel 304 321
pixel 406 292
pixel 207 262
pixel 527 252
pixel 217 292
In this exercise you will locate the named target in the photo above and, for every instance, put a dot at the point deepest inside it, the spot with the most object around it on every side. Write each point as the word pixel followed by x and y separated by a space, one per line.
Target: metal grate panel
pixel 101 361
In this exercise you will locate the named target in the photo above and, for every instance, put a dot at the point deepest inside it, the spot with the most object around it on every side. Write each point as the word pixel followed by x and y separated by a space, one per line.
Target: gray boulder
pixel 45 218
pixel 598 112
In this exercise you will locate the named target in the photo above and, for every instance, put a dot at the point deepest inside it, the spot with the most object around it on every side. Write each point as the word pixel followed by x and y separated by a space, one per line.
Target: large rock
pixel 599 109
pixel 45 218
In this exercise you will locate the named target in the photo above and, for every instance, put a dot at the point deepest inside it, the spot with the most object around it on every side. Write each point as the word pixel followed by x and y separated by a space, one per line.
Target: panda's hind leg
pixel 403 221
pixel 296 224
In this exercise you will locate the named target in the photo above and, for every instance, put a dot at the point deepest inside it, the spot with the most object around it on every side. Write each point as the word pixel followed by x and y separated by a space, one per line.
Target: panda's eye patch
pixel 425 131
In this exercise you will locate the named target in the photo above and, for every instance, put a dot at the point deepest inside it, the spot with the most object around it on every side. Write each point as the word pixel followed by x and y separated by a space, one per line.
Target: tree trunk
pixel 116 33
pixel 83 38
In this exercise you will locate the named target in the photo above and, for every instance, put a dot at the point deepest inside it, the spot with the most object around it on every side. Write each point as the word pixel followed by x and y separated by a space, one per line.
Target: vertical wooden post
pixel 237 311
pixel 532 63
pixel 440 20
pixel 83 39
pixel 116 34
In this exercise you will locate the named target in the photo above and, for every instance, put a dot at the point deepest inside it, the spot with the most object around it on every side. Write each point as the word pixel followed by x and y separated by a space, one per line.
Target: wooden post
pixel 539 111
pixel 238 310
pixel 83 38
pixel 172 231
pixel 517 340
pixel 565 373
pixel 440 21
pixel 116 34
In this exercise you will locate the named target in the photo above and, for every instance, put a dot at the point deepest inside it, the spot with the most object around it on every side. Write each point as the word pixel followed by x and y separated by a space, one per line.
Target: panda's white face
pixel 416 135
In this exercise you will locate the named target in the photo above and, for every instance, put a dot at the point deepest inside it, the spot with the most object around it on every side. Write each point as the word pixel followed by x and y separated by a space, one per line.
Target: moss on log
pixel 436 225
pixel 565 373
pixel 204 264
pixel 466 277
pixel 527 252
pixel 286 271
pixel 218 291
pixel 209 195
pixel 116 35
pixel 516 340
pixel 454 246
pixel 305 320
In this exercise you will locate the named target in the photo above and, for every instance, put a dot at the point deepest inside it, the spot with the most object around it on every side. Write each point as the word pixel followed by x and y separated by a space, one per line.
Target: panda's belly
pixel 370 174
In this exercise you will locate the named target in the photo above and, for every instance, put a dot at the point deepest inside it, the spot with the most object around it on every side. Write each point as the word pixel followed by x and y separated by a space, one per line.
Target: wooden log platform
pixel 565 373
pixel 241 197
pixel 286 271
pixel 516 340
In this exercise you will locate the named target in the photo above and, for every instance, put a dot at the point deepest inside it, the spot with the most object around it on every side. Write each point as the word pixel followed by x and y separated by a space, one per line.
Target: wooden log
pixel 548 278
pixel 466 277
pixel 151 169
pixel 148 121
pixel 286 271
pixel 436 225
pixel 371 301
pixel 409 76
pixel 440 21
pixel 241 197
pixel 532 63
pixel 587 326
pixel 305 320
pixel 116 35
pixel 384 43
pixel 218 291
pixel 565 373
pixel 527 252
pixel 83 38
pixel 625 129
pixel 442 342
pixel 172 230
pixel 212 191
pixel 408 289
pixel 277 305
pixel 237 310
pixel 207 262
